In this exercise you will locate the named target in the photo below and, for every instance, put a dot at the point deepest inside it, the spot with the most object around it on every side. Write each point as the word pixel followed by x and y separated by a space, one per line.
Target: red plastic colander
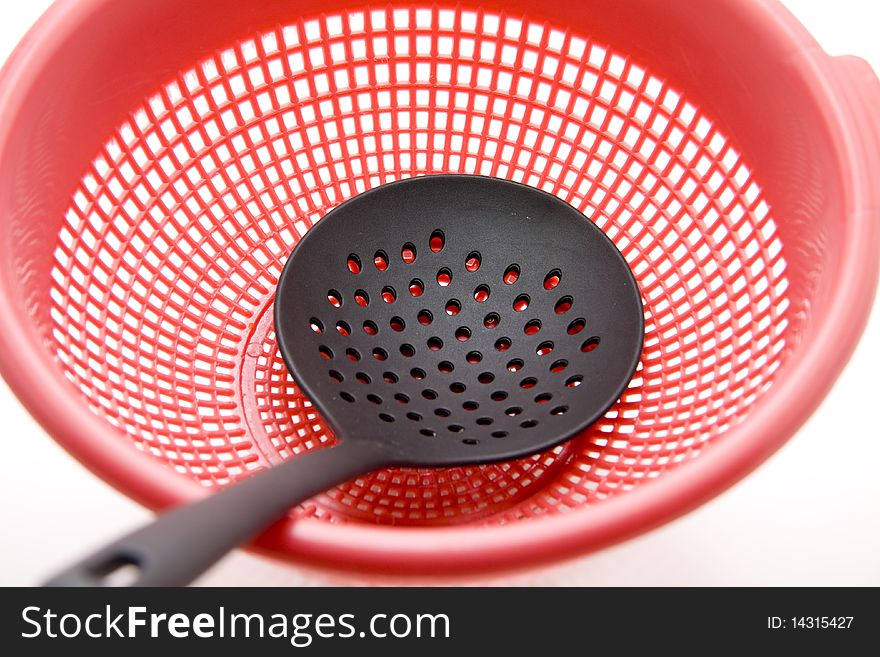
pixel 159 161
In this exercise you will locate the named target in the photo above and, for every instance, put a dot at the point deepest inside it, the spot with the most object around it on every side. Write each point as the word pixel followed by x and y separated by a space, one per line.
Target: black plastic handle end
pixel 184 542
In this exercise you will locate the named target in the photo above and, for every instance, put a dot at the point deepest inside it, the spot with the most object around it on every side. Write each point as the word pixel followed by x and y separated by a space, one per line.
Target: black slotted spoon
pixel 438 321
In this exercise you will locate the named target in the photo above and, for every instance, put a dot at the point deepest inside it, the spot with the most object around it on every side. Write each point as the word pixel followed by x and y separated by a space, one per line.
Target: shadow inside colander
pixel 284 424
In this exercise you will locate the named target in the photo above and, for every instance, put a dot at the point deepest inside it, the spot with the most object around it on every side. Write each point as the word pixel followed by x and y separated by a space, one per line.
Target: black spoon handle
pixel 181 544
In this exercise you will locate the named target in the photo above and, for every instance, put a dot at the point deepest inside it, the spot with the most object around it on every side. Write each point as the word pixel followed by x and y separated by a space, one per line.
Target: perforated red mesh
pixel 173 243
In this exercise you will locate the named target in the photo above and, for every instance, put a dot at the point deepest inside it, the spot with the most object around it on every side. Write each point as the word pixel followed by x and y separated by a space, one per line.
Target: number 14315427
pixel 809 622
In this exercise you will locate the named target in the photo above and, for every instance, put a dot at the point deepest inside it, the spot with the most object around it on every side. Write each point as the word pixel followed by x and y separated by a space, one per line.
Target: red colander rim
pixel 32 374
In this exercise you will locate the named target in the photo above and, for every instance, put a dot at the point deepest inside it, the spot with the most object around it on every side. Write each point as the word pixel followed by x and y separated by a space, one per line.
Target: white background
pixel 809 516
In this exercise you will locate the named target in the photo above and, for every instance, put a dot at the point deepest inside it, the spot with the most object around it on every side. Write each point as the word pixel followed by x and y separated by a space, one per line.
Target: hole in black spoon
pixel 361 298
pixel 397 324
pixel 473 261
pixel 590 345
pixel 576 326
pixel 563 305
pixel 316 325
pixel 354 264
pixel 444 277
pixel 408 253
pixel 407 350
pixel 521 303
pixel 482 293
pixel 119 572
pixel 437 241
pixel 380 260
pixel 552 280
pixel 544 348
pixel 559 366
pixel 453 307
pixel 334 298
pixel 511 275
